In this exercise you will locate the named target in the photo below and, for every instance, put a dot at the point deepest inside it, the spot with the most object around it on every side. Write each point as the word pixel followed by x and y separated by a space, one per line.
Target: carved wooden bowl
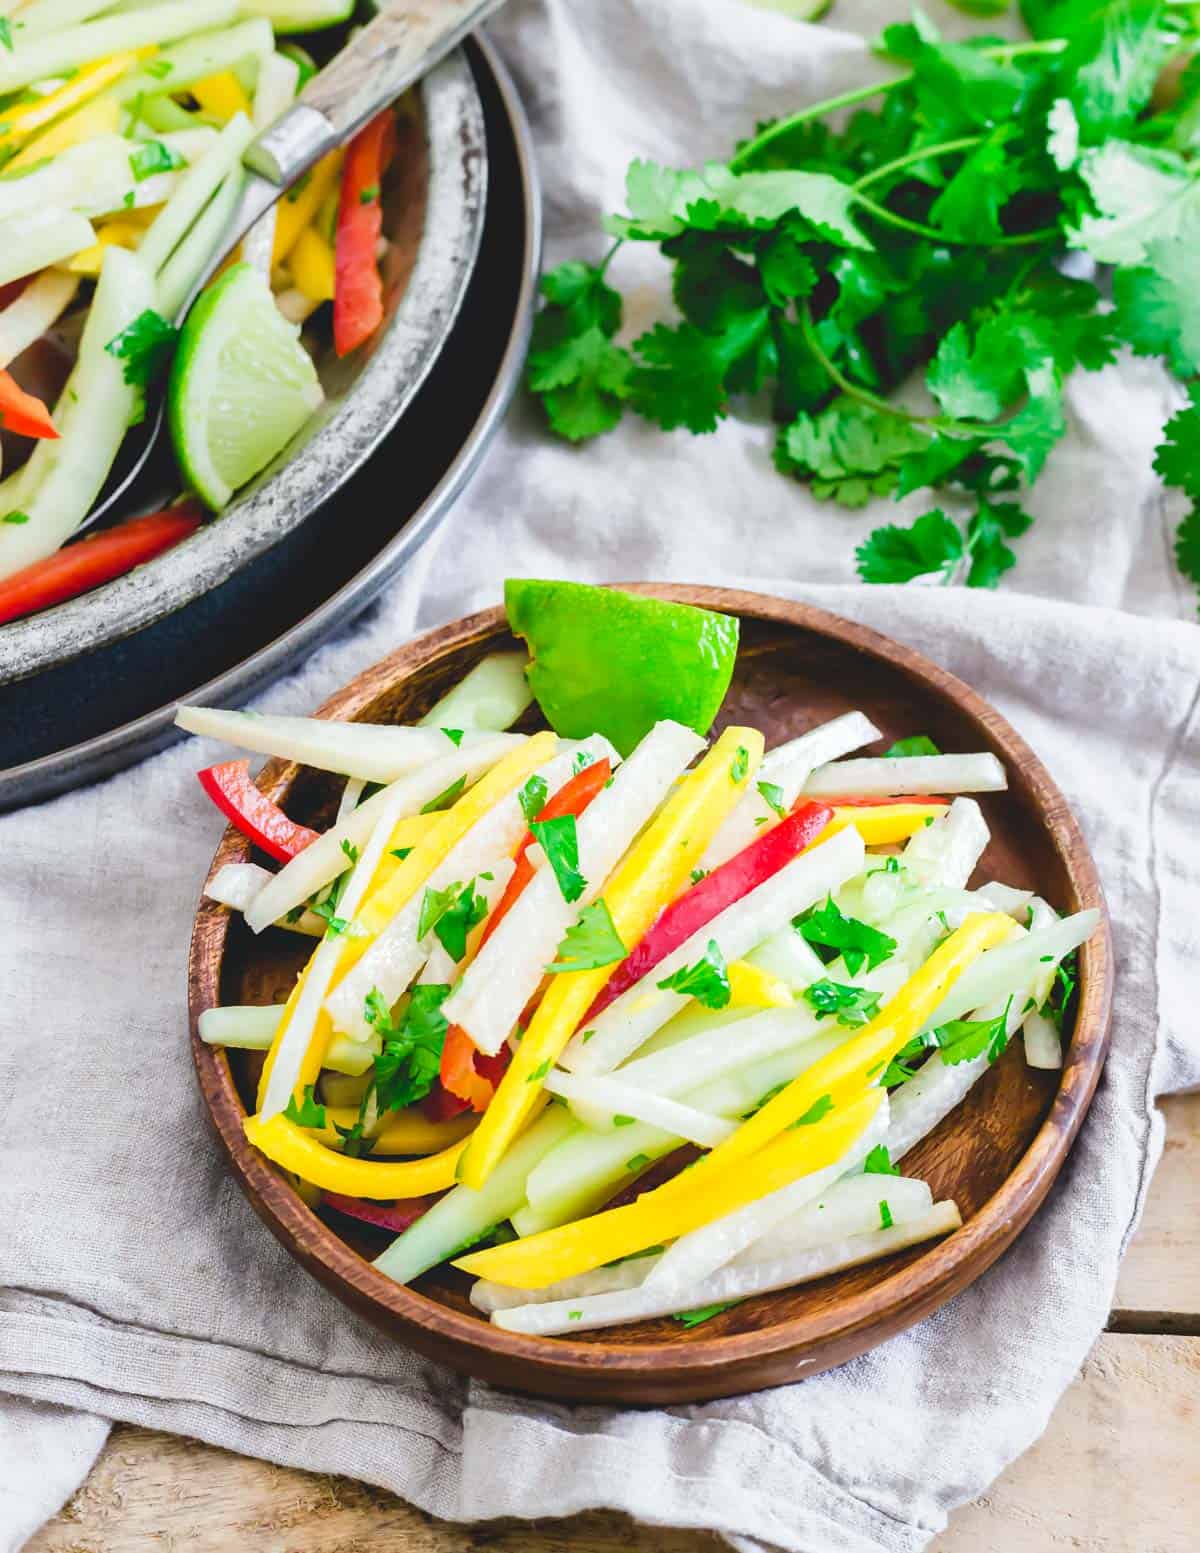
pixel 996 1155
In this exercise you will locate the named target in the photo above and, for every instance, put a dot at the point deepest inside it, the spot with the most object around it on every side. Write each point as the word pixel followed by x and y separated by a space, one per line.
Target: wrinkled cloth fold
pixel 135 1281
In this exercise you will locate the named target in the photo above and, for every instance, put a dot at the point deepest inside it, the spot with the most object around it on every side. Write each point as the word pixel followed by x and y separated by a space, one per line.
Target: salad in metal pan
pixel 620 1021
pixel 122 131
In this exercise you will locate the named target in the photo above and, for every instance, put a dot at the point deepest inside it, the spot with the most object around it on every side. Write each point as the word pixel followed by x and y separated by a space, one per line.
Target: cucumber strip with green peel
pixel 1015 966
pixel 492 695
pixel 43 17
pixel 81 45
pixel 465 1214
pixel 37 309
pixel 194 58
pixel 181 271
pixel 196 188
pixel 275 91
pixel 65 476
pixel 252 1028
pixel 31 241
pixel 301 15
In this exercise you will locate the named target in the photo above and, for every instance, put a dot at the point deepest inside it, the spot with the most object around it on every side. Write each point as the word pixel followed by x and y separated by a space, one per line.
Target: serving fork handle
pixel 402 44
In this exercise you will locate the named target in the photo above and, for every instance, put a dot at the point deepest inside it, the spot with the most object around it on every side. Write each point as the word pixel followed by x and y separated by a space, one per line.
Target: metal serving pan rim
pixel 290 491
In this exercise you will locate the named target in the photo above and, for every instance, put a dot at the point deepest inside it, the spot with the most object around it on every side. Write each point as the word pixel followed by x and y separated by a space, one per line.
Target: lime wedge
pixel 242 385
pixel 616 663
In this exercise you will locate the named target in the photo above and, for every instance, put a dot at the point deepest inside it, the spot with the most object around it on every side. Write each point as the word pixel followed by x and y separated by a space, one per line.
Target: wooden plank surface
pixel 1118 1470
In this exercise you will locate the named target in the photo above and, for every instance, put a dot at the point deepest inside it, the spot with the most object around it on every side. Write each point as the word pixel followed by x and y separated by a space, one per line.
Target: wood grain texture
pixel 1116 1472
pixel 996 1155
pixel 1159 1286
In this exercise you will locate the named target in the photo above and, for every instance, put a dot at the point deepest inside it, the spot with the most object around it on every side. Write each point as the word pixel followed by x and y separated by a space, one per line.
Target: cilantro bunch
pixel 833 260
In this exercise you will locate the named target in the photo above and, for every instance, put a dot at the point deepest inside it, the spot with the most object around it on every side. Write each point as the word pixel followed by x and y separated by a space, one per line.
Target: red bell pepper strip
pixel 395 1217
pixel 468 1077
pixel 95 560
pixel 22 412
pixel 249 809
pixel 877 803
pixel 357 286
pixel 743 872
pixel 466 1074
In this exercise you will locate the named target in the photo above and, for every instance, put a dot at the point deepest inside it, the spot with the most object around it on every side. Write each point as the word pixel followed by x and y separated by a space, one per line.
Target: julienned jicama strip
pixel 803 1027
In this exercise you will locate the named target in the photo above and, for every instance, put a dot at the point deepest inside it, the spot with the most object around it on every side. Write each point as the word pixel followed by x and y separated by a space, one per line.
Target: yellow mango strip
pixel 221 96
pixel 112 234
pixel 844 1072
pixel 659 1216
pixel 881 824
pixel 297 1150
pixel 297 208
pixel 750 987
pixel 101 116
pixel 311 264
pixel 404 1132
pixel 383 900
pixel 653 872
pixel 28 117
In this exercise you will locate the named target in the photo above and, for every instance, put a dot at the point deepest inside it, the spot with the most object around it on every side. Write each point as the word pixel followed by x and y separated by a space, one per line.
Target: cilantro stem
pixel 781 127
pixel 854 390
pixel 937 235
pixel 922 154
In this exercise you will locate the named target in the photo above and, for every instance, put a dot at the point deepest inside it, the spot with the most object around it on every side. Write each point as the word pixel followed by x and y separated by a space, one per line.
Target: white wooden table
pixel 1118 1470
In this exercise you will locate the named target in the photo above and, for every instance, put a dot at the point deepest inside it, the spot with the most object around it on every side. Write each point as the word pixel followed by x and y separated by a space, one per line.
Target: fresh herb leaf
pixel 879 1162
pixel 434 906
pixel 739 766
pixel 694 1318
pixel 532 797
pixel 560 841
pixel 309 1113
pixel 590 942
pixel 885 1216
pixel 15 517
pixel 699 873
pixel 145 346
pixel 772 795
pixel 857 942
pixel 447 798
pixel 638 1162
pixel 455 735
pixel 707 981
pixel 853 1006
pixel 453 926
pixel 6 37
pixel 962 1040
pixel 916 744
pixel 815 1112
pixel 932 546
pixel 540 1072
pixel 153 157
pixel 407 1066
pixel 400 852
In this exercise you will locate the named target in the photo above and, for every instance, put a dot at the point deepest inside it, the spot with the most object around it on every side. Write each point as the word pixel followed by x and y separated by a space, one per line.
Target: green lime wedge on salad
pixel 242 385
pixel 615 663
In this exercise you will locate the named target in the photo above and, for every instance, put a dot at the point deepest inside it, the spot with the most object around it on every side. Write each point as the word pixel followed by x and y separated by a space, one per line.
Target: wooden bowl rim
pixel 919 1287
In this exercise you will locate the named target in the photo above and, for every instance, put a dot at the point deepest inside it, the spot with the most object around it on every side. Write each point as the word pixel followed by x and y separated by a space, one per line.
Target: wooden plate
pixel 996 1155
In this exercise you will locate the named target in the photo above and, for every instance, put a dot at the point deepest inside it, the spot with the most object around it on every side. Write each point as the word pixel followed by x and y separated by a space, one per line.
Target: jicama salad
pixel 122 130
pixel 626 1022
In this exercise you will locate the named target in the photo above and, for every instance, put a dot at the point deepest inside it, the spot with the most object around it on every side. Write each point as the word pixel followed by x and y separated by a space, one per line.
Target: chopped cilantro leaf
pixel 879 1162
pixel 852 1005
pixel 918 744
pixel 707 981
pixel 590 942
pixel 445 799
pixel 819 1108
pixel 885 1216
pixel 739 766
pixel 309 1113
pixel 560 841
pixel 827 929
pixel 407 1066
pixel 772 795
pixel 694 1318
pixel 153 157
pixel 455 735
pixel 453 926
pixel 532 797
pixel 145 346
pixel 638 1162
